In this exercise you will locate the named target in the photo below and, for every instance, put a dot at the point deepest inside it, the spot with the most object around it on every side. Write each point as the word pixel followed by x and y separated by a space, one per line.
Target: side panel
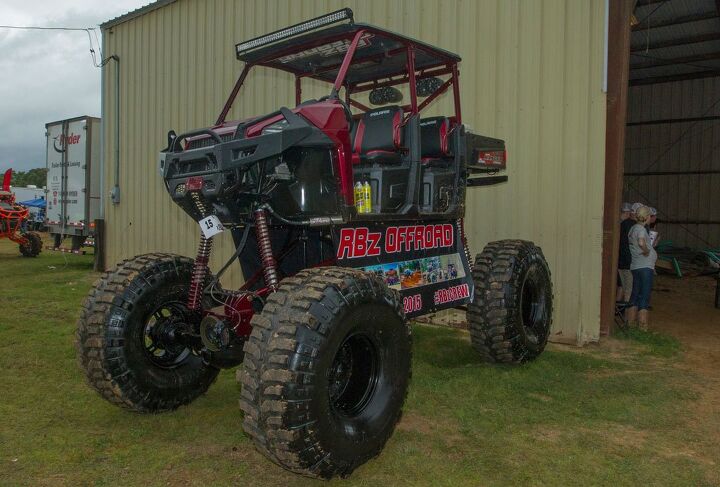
pixel 427 264
pixel 76 148
pixel 55 176
pixel 93 168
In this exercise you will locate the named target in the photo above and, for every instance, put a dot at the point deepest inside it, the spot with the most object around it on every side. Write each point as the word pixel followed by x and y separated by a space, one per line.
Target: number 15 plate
pixel 211 226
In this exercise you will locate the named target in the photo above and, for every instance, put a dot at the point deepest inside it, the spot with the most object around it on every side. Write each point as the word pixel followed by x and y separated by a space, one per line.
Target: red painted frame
pixel 448 66
pixel 343 152
pixel 324 115
pixel 13 218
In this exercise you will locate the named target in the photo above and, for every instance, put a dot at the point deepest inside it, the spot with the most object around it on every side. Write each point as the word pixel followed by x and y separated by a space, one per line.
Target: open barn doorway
pixel 671 153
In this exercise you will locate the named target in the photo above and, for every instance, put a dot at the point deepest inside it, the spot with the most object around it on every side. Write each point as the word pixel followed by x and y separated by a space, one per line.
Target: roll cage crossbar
pixel 332 55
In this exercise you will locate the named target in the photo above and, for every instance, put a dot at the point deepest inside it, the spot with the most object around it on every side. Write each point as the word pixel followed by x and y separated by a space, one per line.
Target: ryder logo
pixel 361 242
pixel 64 141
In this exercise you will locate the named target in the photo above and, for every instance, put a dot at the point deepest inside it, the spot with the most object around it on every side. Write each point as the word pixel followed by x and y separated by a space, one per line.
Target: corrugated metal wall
pixel 676 147
pixel 532 74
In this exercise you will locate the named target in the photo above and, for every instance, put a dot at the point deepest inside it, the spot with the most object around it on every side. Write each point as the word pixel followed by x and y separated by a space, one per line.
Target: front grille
pixel 207 141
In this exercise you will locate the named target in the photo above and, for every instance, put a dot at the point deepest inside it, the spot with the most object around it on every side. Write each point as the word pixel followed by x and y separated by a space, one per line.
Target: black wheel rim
pixel 533 305
pixel 161 339
pixel 353 375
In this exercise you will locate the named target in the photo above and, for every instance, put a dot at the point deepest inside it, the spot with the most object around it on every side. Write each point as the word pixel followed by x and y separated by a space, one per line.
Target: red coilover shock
pixel 200 266
pixel 262 235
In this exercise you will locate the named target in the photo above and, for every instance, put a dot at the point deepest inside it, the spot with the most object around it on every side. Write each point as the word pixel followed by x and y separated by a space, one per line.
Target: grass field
pixel 610 415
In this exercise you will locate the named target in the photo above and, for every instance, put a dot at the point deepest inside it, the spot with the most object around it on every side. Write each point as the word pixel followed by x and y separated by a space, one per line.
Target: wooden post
pixel 617 90
pixel 99 265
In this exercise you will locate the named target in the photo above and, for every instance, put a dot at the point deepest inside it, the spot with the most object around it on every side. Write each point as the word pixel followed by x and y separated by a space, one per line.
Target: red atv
pixel 11 218
pixel 346 225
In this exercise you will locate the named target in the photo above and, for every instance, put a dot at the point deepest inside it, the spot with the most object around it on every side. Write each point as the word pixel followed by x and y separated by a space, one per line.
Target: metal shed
pixel 533 73
pixel 672 159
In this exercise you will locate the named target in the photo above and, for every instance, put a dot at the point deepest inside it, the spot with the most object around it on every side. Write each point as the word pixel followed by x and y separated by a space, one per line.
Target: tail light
pixel 492 158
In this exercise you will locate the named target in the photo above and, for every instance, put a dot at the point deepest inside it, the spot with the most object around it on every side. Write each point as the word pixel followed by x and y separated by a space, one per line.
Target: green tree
pixel 35 176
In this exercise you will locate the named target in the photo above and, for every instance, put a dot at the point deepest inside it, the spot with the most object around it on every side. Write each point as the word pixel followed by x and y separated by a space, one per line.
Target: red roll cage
pixel 329 55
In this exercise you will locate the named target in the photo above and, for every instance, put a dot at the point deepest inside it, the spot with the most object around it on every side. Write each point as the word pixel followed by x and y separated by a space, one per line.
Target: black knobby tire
pixel 326 371
pixel 34 245
pixel 511 314
pixel 125 337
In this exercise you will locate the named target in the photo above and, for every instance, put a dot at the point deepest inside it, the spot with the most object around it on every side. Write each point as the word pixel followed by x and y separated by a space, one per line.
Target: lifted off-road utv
pixel 346 225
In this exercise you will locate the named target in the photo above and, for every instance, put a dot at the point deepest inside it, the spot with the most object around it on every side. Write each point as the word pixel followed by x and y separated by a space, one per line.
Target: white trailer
pixel 73 179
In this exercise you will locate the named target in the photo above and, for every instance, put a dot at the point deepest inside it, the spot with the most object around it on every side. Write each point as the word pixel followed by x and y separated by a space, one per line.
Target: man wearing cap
pixel 624 257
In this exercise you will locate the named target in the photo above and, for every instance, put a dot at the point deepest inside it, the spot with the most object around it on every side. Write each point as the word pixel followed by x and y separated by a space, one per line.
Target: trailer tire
pixel 326 371
pixel 77 242
pixel 126 333
pixel 511 313
pixel 34 245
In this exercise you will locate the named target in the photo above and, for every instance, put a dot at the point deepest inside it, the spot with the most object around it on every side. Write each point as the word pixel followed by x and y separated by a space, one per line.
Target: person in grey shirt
pixel 642 267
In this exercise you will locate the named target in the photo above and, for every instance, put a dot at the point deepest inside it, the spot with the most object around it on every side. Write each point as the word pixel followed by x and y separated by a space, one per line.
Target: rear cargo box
pixel 73 178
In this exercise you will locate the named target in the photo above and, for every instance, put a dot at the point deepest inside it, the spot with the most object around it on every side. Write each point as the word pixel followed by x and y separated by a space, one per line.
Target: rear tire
pixel 126 338
pixel 326 371
pixel 511 314
pixel 34 245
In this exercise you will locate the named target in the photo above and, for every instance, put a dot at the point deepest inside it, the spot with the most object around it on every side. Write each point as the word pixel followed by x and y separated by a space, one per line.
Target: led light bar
pixel 293 30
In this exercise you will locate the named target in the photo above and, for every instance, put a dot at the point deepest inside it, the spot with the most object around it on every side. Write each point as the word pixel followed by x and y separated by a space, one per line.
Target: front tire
pixel 127 337
pixel 33 247
pixel 326 371
pixel 511 314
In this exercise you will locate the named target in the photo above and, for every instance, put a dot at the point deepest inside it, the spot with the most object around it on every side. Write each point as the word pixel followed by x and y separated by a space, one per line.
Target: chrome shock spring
pixel 262 235
pixel 200 266
pixel 199 273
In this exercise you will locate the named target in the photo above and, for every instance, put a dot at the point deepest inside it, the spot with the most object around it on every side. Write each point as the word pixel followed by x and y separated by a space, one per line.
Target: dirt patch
pixel 418 423
pixel 625 436
pixel 550 435
pixel 610 347
pixel 686 310
pixel 540 397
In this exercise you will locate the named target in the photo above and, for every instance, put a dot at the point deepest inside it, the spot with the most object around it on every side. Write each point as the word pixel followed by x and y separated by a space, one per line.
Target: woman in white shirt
pixel 642 268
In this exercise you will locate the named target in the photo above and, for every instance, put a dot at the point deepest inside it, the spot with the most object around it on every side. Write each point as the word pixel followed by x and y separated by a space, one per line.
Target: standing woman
pixel 642 267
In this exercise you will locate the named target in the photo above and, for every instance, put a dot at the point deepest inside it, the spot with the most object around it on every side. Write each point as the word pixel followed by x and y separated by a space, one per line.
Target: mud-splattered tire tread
pixel 91 340
pixel 278 356
pixel 35 245
pixel 490 316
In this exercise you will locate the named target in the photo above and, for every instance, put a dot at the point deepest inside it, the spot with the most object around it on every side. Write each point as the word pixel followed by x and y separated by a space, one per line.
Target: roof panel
pixel 656 39
pixel 135 13
pixel 671 9
pixel 380 54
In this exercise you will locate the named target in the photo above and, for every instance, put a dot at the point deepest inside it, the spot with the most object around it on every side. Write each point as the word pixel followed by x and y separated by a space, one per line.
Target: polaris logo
pixel 381 112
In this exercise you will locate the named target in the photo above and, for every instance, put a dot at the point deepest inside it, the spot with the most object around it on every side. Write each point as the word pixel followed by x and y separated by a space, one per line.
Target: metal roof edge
pixel 135 13
pixel 73 119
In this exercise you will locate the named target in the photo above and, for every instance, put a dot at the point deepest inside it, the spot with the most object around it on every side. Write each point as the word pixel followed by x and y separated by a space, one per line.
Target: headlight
pixel 274 128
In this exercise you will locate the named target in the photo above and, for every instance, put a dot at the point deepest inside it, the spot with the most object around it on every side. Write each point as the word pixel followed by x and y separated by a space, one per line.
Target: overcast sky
pixel 47 75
